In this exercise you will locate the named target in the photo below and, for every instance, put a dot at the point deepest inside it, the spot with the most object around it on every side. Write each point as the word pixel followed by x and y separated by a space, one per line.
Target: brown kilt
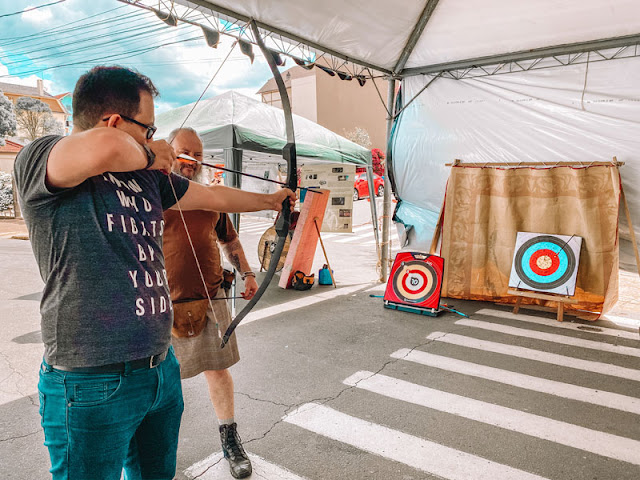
pixel 201 353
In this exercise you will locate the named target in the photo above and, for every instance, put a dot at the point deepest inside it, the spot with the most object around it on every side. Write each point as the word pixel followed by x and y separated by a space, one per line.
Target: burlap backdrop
pixel 486 207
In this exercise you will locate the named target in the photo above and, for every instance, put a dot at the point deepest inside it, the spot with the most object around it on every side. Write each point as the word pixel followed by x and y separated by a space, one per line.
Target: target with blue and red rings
pixel 547 263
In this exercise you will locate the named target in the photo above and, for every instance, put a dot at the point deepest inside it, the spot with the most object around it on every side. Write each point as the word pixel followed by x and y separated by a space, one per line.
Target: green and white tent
pixel 235 121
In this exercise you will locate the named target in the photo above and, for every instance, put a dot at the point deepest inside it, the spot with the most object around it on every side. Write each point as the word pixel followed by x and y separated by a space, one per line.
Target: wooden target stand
pixel 305 237
pixel 561 300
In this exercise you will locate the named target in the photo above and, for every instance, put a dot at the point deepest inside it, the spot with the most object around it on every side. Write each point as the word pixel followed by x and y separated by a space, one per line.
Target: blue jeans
pixel 97 424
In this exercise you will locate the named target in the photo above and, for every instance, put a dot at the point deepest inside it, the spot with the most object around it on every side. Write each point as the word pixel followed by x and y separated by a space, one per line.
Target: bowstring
pixel 184 222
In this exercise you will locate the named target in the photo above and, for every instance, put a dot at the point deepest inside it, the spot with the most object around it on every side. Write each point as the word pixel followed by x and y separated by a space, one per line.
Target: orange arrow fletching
pixel 182 158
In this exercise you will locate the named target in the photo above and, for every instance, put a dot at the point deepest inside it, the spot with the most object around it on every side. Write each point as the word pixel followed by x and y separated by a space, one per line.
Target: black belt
pixel 147 362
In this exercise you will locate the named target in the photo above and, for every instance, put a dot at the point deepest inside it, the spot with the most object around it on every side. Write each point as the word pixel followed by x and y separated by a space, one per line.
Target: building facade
pixel 60 114
pixel 339 105
pixel 8 153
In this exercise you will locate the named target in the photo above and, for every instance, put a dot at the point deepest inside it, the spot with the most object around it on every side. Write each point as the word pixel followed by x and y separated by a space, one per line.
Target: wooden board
pixel 305 238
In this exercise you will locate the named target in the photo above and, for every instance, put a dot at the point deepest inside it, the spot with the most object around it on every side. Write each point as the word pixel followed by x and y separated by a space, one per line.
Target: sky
pixel 60 42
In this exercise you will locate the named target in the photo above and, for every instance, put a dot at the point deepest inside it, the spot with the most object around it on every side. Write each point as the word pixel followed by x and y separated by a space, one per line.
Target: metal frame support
pixel 419 27
pixel 416 34
pixel 373 207
pixel 198 11
pixel 386 204
pixel 533 54
pixel 233 160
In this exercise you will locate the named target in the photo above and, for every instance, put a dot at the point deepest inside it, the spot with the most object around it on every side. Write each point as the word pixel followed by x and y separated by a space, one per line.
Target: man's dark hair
pixel 105 90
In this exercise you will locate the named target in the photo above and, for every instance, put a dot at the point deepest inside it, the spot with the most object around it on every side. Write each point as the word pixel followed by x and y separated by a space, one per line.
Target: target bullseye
pixel 545 262
pixel 414 281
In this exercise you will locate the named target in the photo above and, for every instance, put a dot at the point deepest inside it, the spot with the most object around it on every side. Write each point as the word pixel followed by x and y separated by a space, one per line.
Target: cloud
pixel 180 71
pixel 38 16
pixel 30 81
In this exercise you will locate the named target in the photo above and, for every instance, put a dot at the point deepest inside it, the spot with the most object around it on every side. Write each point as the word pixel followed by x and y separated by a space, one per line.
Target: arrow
pixel 187 159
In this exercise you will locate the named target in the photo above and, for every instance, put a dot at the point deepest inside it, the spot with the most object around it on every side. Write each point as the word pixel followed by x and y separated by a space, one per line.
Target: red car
pixel 361 186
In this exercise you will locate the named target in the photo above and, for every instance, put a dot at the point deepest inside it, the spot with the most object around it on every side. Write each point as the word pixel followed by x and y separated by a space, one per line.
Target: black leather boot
pixel 239 462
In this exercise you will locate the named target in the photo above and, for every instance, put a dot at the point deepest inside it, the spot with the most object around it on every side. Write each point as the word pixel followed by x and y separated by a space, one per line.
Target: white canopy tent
pixel 492 80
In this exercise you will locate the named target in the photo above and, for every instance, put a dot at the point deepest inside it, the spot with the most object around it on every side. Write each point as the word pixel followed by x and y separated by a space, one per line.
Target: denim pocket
pixel 89 392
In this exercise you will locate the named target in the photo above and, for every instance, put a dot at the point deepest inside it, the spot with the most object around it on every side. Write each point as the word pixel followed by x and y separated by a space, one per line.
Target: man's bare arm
pixel 231 200
pixel 235 254
pixel 92 152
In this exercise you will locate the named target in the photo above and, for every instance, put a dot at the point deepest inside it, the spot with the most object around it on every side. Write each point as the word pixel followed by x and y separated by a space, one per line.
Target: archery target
pixel 546 263
pixel 415 279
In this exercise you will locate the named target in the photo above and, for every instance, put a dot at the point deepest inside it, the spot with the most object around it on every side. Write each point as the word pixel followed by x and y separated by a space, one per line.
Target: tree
pixel 7 118
pixel 360 136
pixel 52 126
pixel 6 191
pixel 377 160
pixel 35 117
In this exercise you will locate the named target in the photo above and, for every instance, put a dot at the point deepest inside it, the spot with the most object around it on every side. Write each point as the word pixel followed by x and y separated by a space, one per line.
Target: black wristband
pixel 151 157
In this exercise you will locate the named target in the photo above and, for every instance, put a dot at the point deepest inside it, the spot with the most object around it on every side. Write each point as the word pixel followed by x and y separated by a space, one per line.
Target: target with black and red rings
pixel 415 279
pixel 546 263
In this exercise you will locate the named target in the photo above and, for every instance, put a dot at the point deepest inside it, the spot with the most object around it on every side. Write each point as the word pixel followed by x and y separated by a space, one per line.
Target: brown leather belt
pixel 147 362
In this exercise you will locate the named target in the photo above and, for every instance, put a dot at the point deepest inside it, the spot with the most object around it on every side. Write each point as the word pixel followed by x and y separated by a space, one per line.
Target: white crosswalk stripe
pixel 559 389
pixel 550 322
pixel 416 452
pixel 215 467
pixel 361 236
pixel 354 238
pixel 253 228
pixel 552 337
pixel 537 355
pixel 575 436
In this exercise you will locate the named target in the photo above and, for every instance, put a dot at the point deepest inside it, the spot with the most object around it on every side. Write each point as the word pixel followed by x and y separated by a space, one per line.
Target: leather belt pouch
pixel 227 279
pixel 189 318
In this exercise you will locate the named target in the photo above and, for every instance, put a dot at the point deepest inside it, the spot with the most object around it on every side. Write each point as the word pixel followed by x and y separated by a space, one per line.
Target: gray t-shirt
pixel 99 249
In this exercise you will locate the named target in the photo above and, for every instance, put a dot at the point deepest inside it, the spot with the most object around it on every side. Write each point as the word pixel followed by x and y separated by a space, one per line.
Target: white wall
pixel 304 99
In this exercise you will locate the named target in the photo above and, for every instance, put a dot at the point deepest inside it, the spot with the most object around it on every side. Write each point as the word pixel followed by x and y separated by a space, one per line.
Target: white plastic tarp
pixel 377 31
pixel 581 113
pixel 462 29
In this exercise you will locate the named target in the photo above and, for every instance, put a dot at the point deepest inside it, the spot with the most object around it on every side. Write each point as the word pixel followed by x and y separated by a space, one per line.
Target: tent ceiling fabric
pixel 376 32
pixel 373 32
pixel 461 29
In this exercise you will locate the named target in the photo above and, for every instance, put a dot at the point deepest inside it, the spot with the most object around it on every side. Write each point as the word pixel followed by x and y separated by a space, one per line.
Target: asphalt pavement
pixel 331 385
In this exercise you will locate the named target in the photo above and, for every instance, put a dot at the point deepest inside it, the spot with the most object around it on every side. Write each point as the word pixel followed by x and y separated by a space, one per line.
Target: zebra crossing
pixel 586 440
pixel 360 235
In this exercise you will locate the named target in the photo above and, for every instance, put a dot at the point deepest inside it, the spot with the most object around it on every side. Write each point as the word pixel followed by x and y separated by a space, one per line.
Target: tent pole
pixel 386 203
pixel 374 208
pixel 233 160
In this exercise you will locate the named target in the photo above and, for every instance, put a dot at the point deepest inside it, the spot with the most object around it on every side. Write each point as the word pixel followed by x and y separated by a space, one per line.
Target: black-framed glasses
pixel 151 129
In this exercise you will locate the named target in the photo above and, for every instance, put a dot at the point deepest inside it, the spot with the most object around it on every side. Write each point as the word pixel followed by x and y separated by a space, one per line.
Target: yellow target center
pixel 544 262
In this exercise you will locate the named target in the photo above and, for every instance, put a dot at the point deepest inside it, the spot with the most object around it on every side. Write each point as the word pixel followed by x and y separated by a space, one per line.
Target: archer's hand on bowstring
pixel 250 287
pixel 280 196
pixel 164 156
